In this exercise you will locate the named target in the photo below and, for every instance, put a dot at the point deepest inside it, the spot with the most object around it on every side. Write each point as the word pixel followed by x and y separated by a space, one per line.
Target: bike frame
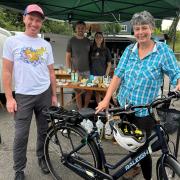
pixel 90 172
pixel 157 141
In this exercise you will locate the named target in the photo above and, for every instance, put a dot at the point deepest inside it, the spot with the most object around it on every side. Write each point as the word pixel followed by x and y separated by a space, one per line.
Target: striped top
pixel 141 79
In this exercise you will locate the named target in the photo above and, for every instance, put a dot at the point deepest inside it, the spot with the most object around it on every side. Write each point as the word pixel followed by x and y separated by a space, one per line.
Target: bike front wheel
pixel 69 138
pixel 168 169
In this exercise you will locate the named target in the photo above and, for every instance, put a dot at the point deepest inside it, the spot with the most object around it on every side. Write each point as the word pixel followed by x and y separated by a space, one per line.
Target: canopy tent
pixel 99 10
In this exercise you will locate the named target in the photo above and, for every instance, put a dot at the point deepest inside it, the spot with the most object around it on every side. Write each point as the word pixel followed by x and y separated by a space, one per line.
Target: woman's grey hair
pixel 143 18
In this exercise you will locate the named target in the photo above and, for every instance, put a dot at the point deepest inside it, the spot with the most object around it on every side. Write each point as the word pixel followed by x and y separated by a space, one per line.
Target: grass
pixel 177 47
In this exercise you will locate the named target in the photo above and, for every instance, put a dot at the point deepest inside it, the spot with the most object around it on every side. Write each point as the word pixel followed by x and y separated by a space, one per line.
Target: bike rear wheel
pixel 165 170
pixel 69 138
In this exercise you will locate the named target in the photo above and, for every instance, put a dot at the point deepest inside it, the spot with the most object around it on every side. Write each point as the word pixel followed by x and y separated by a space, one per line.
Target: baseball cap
pixel 34 8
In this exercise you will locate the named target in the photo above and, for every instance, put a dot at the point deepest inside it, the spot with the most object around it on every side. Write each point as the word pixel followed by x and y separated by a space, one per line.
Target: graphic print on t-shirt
pixel 33 56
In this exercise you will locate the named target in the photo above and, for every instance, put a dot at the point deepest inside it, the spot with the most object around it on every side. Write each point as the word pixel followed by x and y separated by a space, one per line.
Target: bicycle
pixel 83 153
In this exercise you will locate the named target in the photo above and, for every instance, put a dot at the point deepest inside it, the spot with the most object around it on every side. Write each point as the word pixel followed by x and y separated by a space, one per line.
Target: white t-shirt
pixel 31 57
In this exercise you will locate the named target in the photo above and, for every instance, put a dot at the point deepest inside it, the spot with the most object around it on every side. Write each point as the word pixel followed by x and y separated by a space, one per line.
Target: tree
pixel 12 21
pixel 111 28
pixel 158 23
pixel 172 29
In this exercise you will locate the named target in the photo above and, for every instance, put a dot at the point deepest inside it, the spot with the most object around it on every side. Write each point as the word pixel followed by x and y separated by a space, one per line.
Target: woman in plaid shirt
pixel 140 75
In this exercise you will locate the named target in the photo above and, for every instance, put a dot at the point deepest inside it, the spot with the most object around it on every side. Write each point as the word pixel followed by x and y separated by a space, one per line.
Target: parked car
pixel 117 45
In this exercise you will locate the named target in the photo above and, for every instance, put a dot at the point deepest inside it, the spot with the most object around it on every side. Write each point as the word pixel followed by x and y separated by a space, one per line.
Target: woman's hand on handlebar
pixel 102 106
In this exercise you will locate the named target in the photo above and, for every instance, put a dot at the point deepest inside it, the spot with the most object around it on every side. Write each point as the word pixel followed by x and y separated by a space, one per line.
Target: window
pixel 123 28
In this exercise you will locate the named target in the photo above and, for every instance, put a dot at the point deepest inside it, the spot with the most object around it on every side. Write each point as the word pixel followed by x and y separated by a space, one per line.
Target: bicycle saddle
pixel 86 112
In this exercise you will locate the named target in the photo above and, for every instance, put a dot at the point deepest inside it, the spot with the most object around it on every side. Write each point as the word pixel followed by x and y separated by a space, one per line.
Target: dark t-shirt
pixel 79 49
pixel 99 58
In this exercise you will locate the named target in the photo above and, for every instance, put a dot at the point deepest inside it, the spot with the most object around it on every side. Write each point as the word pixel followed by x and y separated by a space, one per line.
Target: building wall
pixel 59 44
pixel 128 26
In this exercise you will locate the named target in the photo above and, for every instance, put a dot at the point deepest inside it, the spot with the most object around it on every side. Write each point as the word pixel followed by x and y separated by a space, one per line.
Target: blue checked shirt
pixel 141 79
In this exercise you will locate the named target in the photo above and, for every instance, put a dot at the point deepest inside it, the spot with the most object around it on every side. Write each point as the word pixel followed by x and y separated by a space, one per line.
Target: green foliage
pixel 117 28
pixel 57 27
pixel 173 26
pixel 12 21
pixel 158 23
pixel 111 28
pixel 177 43
pixel 157 31
pixel 178 35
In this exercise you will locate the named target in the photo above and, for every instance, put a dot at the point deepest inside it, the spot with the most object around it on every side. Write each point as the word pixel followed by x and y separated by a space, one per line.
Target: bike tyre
pixel 169 163
pixel 79 131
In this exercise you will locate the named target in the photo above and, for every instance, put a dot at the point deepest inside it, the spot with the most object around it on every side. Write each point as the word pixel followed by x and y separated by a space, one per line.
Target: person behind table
pixel 140 74
pixel 100 59
pixel 31 59
pixel 77 58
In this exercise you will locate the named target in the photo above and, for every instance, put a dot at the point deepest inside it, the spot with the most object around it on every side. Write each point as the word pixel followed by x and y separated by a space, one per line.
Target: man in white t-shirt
pixel 30 58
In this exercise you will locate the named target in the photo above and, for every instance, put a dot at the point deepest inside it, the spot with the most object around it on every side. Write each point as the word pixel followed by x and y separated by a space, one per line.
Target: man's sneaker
pixel 19 175
pixel 132 173
pixel 43 165
pixel 108 132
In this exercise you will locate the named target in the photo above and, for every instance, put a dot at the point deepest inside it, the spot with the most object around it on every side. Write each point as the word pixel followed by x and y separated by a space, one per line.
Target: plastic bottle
pixel 89 126
pixel 100 127
pixel 76 77
pixel 108 131
pixel 72 76
pixel 83 123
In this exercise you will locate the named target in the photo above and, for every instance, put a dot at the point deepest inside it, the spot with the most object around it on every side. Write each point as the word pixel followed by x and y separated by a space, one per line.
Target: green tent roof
pixel 99 10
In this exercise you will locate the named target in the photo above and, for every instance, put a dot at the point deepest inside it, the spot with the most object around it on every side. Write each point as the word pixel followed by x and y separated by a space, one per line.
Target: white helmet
pixel 128 135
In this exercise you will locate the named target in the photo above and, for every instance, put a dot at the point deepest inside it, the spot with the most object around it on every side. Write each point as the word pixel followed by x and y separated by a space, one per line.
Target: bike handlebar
pixel 155 103
pixel 60 112
pixel 171 95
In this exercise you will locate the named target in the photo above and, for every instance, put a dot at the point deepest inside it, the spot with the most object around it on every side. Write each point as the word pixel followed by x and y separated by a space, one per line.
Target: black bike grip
pixel 115 110
pixel 101 113
pixel 175 94
pixel 178 94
